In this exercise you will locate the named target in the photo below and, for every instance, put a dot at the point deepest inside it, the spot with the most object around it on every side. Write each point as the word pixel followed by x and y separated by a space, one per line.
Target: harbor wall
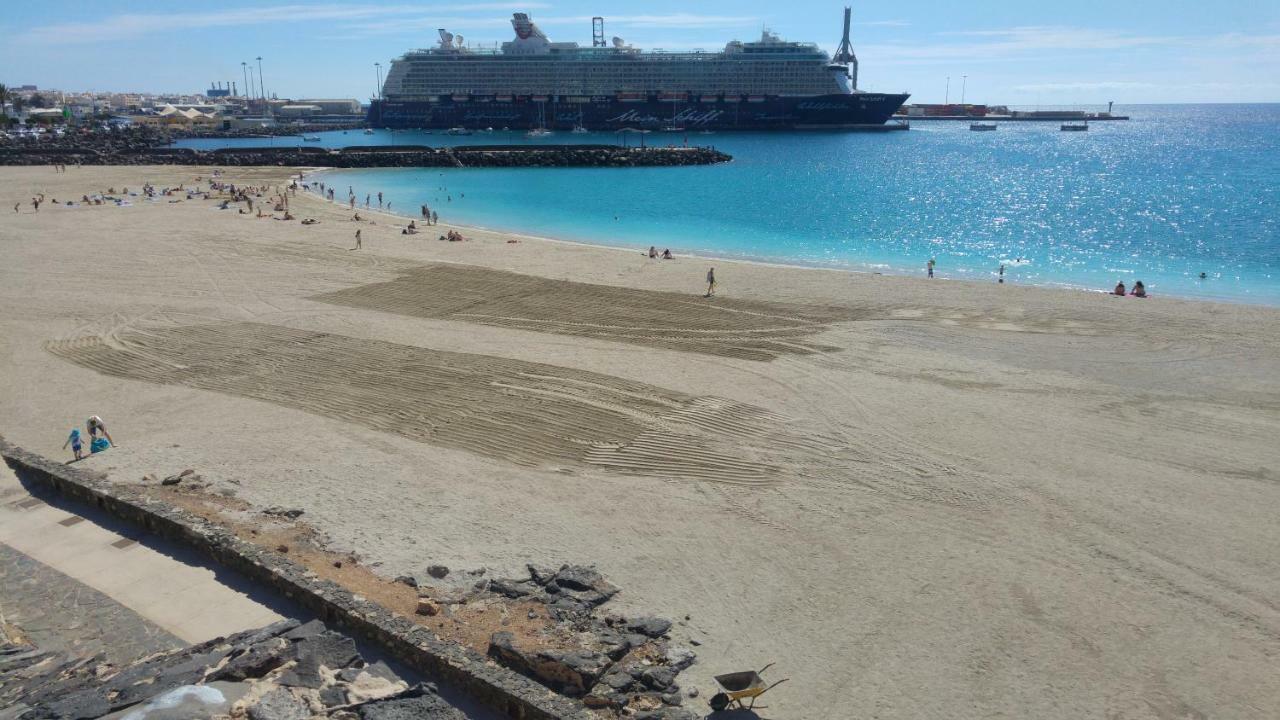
pixel 367 157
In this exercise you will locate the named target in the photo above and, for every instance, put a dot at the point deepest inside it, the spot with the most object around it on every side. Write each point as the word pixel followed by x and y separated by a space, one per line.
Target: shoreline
pixel 893 272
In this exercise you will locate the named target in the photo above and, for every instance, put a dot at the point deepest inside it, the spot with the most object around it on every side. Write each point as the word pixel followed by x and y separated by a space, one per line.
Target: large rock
pixel 306 673
pixel 418 703
pixel 572 673
pixel 649 626
pixel 257 660
pixel 279 704
pixel 513 589
pixel 329 649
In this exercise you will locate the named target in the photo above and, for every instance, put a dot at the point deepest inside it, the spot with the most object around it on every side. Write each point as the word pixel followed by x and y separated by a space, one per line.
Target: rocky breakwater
pixel 365 157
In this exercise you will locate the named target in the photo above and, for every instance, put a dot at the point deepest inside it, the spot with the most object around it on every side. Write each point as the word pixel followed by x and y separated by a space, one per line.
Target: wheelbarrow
pixel 741 686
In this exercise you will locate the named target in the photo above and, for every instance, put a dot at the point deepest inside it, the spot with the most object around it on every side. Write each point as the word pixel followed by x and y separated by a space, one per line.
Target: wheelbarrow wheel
pixel 719 702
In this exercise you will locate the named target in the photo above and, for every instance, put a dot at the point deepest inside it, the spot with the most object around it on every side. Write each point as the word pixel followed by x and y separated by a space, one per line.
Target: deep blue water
pixel 1176 191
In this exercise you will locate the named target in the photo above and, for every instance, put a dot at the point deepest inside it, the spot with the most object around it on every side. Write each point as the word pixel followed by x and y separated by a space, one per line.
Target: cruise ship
pixel 533 83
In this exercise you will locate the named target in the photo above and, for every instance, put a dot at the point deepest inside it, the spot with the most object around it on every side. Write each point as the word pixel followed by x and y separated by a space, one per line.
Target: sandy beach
pixel 920 499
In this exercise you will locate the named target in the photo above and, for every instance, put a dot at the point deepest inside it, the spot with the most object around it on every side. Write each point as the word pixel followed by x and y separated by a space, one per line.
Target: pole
pixel 963 86
pixel 948 100
pixel 378 89
pixel 262 88
pixel 253 89
pixel 244 68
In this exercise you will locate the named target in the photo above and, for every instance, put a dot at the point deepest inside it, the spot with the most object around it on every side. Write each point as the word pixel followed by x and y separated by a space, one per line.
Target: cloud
pixel 1044 37
pixel 129 25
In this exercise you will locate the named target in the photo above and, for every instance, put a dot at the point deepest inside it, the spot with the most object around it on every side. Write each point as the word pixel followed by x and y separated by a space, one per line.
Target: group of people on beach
pixel 1139 290
pixel 666 254
pixel 94 427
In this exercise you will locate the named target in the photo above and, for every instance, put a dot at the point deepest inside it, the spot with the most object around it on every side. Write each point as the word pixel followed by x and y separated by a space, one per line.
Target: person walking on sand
pixel 1001 273
pixel 931 263
pixel 711 282
pixel 74 441
pixel 435 218
pixel 358 246
pixel 379 199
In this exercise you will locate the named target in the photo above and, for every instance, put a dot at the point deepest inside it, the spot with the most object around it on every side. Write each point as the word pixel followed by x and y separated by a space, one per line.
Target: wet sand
pixel 919 498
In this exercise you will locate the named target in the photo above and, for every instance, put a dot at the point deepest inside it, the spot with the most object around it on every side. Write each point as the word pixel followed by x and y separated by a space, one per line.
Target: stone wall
pixel 504 690
pixel 539 156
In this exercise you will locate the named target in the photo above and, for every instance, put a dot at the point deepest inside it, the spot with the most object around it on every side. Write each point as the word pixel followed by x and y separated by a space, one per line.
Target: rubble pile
pixel 285 671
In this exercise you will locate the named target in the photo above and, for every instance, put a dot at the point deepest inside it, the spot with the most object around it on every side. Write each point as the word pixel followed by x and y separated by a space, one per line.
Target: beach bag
pixel 98 445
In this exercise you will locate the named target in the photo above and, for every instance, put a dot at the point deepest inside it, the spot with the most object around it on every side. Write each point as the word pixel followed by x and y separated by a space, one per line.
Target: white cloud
pixel 131 25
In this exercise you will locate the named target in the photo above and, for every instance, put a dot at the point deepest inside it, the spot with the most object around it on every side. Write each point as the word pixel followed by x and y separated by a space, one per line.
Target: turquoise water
pixel 1176 191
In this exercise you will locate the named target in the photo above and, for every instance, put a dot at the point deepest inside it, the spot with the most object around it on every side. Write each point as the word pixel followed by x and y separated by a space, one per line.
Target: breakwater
pixel 505 156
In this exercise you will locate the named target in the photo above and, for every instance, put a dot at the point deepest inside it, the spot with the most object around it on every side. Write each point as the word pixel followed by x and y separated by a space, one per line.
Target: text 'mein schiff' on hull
pixel 531 82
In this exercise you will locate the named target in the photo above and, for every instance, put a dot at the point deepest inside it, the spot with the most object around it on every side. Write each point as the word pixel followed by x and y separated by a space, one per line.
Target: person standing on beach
pixel 95 425
pixel 358 246
pixel 711 282
pixel 435 218
pixel 366 200
pixel 379 199
pixel 932 262
pixel 1002 273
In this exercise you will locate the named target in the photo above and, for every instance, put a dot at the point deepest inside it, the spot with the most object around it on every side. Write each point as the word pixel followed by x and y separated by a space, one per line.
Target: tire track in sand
pixel 721 326
pixel 522 412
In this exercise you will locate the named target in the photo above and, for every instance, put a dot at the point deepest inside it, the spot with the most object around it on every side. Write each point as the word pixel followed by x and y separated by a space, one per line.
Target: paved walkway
pixel 175 592
pixel 59 614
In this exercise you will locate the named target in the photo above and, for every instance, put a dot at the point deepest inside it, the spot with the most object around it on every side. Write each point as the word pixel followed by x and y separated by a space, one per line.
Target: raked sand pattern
pixel 727 327
pixel 526 413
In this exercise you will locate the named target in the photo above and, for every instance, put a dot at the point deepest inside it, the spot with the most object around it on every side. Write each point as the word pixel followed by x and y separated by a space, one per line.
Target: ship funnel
pixel 844 54
pixel 457 40
pixel 446 37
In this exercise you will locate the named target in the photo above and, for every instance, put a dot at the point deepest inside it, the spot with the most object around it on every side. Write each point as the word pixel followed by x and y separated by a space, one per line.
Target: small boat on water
pixel 707 132
pixel 538 132
pixel 368 131
pixel 982 127
pixel 310 138
pixel 579 130
pixel 673 129
pixel 457 131
pixel 1075 127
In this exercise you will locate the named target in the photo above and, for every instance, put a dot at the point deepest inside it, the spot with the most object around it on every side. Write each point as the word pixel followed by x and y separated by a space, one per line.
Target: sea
pixel 1173 193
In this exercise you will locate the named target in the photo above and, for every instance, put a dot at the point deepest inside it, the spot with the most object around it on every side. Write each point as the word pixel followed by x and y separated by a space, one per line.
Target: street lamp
pixel 244 68
pixel 963 86
pixel 262 87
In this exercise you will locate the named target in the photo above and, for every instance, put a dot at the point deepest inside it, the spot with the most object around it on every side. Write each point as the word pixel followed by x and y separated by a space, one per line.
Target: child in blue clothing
pixel 74 441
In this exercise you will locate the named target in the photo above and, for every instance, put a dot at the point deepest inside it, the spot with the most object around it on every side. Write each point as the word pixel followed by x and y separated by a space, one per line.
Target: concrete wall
pixel 511 694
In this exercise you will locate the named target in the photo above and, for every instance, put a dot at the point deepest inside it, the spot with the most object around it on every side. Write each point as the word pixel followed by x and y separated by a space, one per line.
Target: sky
pixel 1014 52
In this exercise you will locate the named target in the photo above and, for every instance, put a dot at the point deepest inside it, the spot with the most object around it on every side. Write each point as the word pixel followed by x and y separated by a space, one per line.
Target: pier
pixel 372 156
